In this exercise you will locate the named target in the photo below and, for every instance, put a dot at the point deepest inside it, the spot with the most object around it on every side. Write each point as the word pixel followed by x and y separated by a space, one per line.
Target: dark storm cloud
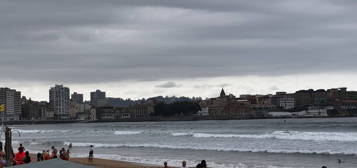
pixel 102 41
pixel 168 85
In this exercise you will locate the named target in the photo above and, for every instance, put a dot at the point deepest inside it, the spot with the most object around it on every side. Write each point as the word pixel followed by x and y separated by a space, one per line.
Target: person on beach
pixel 27 158
pixel 22 147
pixel 183 164
pixel 54 152
pixel 91 153
pixel 165 165
pixel 202 164
pixel 19 157
pixel 39 157
pixel 2 158
pixel 62 151
pixel 46 155
pixel 66 156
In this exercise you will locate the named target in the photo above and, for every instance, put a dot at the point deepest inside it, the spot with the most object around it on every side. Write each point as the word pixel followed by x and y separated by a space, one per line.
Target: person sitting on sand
pixel 91 153
pixel 54 152
pixel 66 156
pixel 39 157
pixel 19 157
pixel 62 152
pixel 2 158
pixel 183 164
pixel 27 158
pixel 46 155
pixel 202 164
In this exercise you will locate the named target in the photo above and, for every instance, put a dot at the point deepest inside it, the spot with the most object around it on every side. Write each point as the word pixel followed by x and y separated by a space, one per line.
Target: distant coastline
pixel 156 119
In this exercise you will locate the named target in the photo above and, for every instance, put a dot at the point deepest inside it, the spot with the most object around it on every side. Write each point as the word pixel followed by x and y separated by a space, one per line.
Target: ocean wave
pixel 40 131
pixel 284 135
pixel 182 134
pixel 127 132
pixel 213 148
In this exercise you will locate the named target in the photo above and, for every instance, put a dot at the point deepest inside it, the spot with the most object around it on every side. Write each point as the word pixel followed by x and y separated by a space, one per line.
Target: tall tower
pixel 59 101
pixel 223 94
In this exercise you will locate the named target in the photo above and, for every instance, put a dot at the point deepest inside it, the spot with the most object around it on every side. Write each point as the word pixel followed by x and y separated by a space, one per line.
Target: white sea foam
pixel 182 134
pixel 213 148
pixel 127 132
pixel 40 131
pixel 284 135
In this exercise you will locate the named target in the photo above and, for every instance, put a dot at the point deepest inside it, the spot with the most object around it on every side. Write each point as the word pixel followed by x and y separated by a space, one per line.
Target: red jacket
pixel 19 158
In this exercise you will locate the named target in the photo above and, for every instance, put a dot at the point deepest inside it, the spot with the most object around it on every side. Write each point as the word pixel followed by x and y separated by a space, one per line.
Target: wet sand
pixel 104 163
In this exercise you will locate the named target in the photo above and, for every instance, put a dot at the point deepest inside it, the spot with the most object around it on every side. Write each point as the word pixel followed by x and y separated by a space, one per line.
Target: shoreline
pixel 103 163
pixel 106 163
pixel 193 118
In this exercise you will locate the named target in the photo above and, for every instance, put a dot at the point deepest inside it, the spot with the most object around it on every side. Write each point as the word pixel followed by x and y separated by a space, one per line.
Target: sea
pixel 266 143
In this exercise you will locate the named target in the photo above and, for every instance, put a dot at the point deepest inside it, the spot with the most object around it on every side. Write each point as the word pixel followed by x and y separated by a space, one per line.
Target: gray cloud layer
pixel 111 40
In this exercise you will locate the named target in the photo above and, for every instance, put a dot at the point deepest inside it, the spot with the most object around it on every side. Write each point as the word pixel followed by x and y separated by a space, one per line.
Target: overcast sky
pixel 143 48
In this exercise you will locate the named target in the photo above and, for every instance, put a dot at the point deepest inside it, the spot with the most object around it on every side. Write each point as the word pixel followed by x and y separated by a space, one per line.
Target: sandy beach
pixel 104 163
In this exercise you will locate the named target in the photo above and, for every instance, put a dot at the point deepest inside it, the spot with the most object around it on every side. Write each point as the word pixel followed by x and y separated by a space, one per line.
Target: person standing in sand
pixel 165 165
pixel 91 153
pixel 183 164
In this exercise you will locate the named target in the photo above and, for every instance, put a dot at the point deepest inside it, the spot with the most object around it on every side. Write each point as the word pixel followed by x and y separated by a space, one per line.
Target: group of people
pixel 23 157
pixel 184 163
pixel 47 155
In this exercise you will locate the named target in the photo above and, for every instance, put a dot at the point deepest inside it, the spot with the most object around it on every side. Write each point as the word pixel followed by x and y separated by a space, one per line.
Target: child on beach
pixel 27 158
pixel 91 153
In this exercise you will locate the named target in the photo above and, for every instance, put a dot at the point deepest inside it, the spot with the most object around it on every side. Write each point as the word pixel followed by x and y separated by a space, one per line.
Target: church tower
pixel 223 94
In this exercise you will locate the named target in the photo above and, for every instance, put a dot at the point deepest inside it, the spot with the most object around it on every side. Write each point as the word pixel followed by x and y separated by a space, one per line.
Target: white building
pixel 287 102
pixel 203 112
pixel 59 101
pixel 11 99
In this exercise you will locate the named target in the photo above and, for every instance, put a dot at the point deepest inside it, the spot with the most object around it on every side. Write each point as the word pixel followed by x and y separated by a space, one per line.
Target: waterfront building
pixel 227 106
pixel 77 98
pixel 97 98
pixel 59 101
pixel 11 99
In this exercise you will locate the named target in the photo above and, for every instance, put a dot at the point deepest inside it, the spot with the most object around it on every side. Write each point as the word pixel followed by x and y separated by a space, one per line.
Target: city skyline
pixel 141 49
pixel 86 96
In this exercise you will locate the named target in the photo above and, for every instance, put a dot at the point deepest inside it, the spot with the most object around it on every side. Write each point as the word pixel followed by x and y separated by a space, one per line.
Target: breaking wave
pixel 127 132
pixel 41 131
pixel 284 135
pixel 212 148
